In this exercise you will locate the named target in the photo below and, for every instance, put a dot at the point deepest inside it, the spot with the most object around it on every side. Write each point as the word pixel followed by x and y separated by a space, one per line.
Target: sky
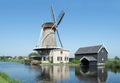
pixel 86 23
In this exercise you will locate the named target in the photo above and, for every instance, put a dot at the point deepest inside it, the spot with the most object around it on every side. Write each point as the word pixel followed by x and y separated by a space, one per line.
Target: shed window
pixel 102 59
pixel 102 50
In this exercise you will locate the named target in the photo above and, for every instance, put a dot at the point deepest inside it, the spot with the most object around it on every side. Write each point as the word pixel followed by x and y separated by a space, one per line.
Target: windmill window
pixel 47 58
pixel 57 58
pixel 44 58
pixel 61 52
pixel 65 58
pixel 61 58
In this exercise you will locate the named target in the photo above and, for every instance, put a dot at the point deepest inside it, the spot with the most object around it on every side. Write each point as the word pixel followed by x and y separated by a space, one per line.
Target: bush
pixel 33 54
pixel 76 61
pixel 27 61
pixel 113 63
pixel 116 58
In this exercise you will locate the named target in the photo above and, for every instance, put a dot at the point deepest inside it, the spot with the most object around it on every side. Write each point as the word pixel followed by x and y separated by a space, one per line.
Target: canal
pixel 59 73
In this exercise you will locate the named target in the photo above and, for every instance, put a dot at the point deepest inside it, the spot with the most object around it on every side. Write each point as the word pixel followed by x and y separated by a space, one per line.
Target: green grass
pixel 17 60
pixel 4 78
pixel 113 63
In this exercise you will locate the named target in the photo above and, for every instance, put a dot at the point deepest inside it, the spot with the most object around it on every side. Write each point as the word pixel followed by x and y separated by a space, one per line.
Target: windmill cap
pixel 48 25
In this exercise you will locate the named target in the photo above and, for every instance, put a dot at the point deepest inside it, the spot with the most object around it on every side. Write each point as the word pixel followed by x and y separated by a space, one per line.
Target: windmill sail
pixel 48 39
pixel 53 14
pixel 59 39
pixel 40 38
pixel 60 17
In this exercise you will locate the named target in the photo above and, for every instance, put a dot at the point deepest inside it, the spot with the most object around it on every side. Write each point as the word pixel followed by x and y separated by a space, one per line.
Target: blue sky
pixel 86 23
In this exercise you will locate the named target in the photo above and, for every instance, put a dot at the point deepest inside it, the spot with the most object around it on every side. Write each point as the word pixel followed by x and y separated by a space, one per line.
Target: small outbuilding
pixel 92 55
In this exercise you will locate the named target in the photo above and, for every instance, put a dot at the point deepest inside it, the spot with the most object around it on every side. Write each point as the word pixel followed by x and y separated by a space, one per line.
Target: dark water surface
pixel 59 73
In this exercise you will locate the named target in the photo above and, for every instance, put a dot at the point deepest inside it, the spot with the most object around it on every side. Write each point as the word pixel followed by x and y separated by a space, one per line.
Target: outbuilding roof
pixel 89 50
pixel 89 58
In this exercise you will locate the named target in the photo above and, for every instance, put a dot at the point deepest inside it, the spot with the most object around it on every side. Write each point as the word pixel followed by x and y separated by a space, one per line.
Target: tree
pixel 20 57
pixel 117 58
pixel 33 54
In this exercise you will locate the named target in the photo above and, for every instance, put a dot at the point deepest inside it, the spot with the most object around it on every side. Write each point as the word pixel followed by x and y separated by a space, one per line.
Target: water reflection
pixel 59 73
pixel 52 74
pixel 92 74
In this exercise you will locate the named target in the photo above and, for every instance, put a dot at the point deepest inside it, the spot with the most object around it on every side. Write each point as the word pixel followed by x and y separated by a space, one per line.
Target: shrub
pixel 27 61
pixel 113 63
pixel 76 61
pixel 33 54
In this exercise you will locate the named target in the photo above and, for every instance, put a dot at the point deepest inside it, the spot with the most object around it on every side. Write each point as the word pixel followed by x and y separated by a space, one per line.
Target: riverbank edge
pixel 58 64
pixel 4 78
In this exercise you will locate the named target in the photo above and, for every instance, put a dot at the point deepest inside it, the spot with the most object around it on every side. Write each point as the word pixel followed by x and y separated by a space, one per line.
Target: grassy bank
pixel 4 78
pixel 19 59
pixel 112 63
pixel 14 60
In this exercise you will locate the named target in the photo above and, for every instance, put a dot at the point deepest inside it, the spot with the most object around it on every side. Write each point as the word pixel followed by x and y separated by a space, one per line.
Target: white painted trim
pixel 100 64
pixel 82 58
pixel 101 48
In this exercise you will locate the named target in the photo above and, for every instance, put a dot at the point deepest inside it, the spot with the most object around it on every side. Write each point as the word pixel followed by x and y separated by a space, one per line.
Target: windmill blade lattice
pixel 40 38
pixel 59 39
pixel 53 14
pixel 60 17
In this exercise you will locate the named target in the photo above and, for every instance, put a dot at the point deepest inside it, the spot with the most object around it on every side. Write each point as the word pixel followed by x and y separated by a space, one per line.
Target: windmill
pixel 48 39
pixel 47 46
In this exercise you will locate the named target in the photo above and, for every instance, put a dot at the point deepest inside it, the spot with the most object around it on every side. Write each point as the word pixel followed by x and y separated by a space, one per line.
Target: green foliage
pixel 76 61
pixel 5 58
pixel 5 78
pixel 16 60
pixel 117 58
pixel 33 54
pixel 113 63
pixel 11 59
pixel 20 57
pixel 27 61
